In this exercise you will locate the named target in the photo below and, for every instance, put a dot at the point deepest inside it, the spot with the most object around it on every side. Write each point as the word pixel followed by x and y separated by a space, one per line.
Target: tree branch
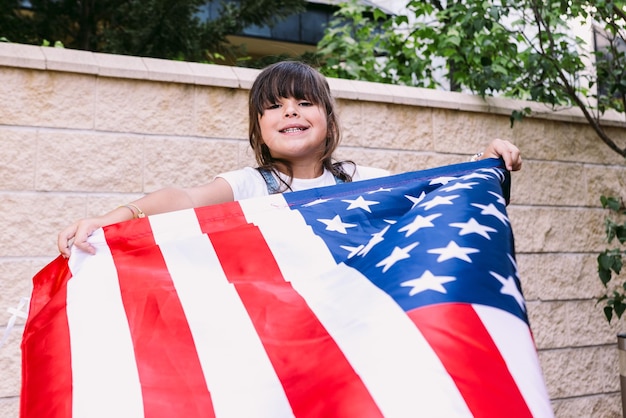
pixel 567 87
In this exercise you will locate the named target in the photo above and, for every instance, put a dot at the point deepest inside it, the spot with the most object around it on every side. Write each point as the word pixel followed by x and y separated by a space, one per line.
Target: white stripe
pixel 105 381
pixel 514 341
pixel 401 371
pixel 290 237
pixel 238 372
pixel 174 226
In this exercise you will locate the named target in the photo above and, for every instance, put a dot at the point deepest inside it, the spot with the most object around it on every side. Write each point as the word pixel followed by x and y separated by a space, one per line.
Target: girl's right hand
pixel 78 232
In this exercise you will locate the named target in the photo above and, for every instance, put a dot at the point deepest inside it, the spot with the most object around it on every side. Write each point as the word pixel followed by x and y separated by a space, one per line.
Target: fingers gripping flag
pixel 393 297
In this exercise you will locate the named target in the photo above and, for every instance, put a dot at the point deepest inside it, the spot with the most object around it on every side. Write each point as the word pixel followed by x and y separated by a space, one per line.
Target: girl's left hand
pixel 509 153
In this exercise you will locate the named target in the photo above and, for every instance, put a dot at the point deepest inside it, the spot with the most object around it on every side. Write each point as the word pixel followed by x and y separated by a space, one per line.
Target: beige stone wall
pixel 81 133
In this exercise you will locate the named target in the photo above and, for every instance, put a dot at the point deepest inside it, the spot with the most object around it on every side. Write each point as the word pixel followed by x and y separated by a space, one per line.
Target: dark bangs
pixel 289 79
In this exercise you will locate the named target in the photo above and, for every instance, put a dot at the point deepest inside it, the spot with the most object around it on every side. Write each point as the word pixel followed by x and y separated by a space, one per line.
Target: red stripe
pixel 46 355
pixel 221 217
pixel 316 377
pixel 470 356
pixel 170 373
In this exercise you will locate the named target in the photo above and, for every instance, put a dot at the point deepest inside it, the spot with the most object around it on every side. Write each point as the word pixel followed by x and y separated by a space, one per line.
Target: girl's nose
pixel 291 110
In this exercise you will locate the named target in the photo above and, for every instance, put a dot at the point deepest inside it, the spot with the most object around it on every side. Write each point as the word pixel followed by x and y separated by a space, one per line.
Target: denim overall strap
pixel 272 183
pixel 270 180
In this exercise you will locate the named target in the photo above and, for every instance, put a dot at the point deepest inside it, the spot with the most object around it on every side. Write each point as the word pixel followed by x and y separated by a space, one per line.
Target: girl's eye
pixel 273 106
pixel 306 104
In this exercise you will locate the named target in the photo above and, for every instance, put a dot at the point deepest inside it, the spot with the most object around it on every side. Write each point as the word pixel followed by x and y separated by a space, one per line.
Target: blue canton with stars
pixel 425 237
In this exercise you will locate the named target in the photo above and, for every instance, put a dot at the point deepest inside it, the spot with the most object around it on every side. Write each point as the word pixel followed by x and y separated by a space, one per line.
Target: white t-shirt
pixel 248 182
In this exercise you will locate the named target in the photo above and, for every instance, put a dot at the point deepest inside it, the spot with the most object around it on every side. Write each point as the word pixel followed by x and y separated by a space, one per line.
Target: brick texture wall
pixel 81 133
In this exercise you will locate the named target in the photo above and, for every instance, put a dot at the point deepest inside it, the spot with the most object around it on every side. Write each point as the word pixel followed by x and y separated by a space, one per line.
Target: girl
pixel 293 131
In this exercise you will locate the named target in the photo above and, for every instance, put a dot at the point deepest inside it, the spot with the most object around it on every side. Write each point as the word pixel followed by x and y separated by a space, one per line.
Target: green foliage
pixel 518 115
pixel 522 49
pixel 610 261
pixel 364 43
pixel 151 28
pixel 56 44
pixel 464 43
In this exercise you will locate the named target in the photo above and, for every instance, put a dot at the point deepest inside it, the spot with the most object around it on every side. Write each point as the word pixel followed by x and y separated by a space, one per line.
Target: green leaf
pixel 518 115
pixel 611 202
pixel 620 233
pixel 609 229
pixel 604 201
pixel 605 276
pixel 619 308
pixel 379 14
pixel 608 313
pixel 617 264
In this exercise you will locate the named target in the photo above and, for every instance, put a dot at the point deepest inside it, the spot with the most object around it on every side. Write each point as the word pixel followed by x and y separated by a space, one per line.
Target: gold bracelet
pixel 132 208
pixel 140 213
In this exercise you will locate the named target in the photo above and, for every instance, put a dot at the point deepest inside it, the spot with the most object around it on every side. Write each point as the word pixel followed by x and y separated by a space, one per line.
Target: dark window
pixel 610 51
pixel 312 28
pixel 304 28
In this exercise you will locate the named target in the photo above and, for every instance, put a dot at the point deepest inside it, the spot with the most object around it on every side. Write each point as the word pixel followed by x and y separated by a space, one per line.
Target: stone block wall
pixel 81 133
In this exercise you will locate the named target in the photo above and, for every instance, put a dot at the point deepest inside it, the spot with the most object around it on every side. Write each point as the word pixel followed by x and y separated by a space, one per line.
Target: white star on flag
pixel 452 250
pixel 442 180
pixel 427 281
pixel 376 239
pixel 510 288
pixel 438 200
pixel 419 222
pixel 316 202
pixel 501 199
pixel 352 251
pixel 459 186
pixel 360 203
pixel 415 200
pixel 396 255
pixel 475 175
pixel 490 209
pixel 379 190
pixel 514 263
pixel 473 227
pixel 496 173
pixel 336 224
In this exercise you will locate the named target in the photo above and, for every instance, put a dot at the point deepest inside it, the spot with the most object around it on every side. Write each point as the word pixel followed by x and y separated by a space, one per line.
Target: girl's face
pixel 294 130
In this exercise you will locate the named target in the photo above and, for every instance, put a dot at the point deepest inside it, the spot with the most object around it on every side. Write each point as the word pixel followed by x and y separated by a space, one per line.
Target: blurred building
pixel 293 36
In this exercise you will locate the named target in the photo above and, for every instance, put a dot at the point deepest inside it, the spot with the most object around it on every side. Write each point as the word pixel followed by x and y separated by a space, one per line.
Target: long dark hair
pixel 293 79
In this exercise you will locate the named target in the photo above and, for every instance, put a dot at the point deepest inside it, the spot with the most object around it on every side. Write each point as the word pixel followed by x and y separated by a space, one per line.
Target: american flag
pixel 392 297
